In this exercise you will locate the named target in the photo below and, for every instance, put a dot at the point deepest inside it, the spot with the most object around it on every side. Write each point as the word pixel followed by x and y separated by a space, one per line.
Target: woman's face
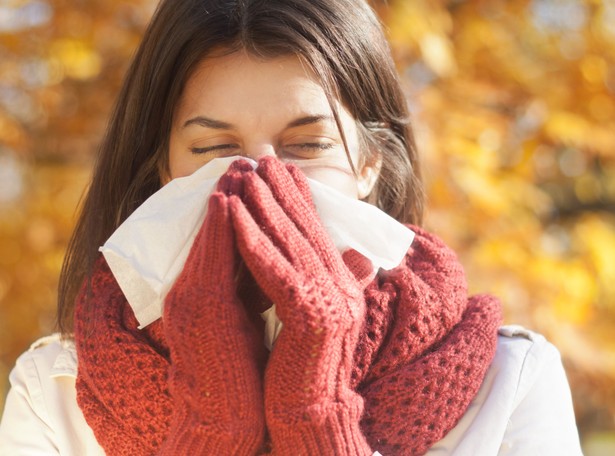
pixel 240 105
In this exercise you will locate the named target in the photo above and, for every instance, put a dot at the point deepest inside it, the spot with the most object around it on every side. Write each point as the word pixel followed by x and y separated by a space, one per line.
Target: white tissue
pixel 147 252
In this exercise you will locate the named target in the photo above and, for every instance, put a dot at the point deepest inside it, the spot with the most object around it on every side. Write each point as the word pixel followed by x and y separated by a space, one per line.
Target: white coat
pixel 523 407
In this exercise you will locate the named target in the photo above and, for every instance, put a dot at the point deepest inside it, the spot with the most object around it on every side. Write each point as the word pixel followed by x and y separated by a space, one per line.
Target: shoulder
pixel 41 414
pixel 40 370
pixel 49 356
pixel 523 352
pixel 518 340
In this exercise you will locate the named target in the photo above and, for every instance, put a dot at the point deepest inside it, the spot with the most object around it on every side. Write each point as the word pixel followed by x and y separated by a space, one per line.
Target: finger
pixel 231 182
pixel 212 256
pixel 293 199
pixel 220 240
pixel 267 213
pixel 300 181
pixel 268 265
pixel 321 240
pixel 360 266
pixel 241 165
pixel 290 188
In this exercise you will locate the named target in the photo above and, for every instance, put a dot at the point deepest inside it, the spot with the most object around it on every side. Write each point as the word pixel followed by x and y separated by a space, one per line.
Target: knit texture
pixel 309 405
pixel 122 386
pixel 203 393
pixel 424 336
pixel 389 363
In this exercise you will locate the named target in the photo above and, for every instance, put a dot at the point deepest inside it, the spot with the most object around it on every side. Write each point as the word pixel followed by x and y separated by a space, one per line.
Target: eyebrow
pixel 220 125
pixel 308 120
pixel 209 123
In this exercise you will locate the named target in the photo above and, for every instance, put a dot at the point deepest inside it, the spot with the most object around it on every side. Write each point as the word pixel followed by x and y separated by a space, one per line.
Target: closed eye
pixel 307 151
pixel 315 146
pixel 204 150
pixel 306 147
pixel 297 148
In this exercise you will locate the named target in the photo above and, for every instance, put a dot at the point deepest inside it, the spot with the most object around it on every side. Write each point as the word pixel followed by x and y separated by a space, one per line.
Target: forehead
pixel 238 83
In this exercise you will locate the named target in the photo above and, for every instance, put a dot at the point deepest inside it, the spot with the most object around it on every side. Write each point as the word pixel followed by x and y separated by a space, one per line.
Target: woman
pixel 396 362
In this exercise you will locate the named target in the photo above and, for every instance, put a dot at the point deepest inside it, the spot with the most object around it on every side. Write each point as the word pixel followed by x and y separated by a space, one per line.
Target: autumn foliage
pixel 514 108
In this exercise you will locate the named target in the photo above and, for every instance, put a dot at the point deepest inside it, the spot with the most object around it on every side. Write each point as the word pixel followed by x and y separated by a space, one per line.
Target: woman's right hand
pixel 310 406
pixel 214 377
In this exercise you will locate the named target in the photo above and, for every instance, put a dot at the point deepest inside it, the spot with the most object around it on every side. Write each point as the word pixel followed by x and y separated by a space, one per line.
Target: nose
pixel 259 150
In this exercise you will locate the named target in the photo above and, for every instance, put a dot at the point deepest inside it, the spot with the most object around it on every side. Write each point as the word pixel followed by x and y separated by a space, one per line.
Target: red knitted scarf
pixel 422 355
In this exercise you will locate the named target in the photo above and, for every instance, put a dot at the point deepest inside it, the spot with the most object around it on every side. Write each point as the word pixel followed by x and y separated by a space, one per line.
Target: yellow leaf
pixel 79 60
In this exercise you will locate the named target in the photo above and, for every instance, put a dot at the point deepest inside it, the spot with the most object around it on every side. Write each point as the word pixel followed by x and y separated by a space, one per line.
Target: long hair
pixel 341 40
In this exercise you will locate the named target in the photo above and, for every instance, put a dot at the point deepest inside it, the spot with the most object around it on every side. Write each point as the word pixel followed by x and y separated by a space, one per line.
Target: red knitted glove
pixel 309 405
pixel 215 351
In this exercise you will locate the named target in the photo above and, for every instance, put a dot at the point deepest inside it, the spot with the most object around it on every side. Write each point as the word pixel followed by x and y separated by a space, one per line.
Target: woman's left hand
pixel 309 404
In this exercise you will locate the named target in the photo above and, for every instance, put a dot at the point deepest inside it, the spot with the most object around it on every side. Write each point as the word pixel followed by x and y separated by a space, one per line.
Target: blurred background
pixel 514 108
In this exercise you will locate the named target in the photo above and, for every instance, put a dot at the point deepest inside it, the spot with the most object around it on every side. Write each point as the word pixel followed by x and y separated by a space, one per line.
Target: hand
pixel 309 404
pixel 215 350
pixel 290 254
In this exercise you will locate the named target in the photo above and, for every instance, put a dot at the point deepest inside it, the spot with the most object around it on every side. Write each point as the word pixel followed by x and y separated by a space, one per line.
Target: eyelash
pixel 314 146
pixel 204 150
pixel 317 146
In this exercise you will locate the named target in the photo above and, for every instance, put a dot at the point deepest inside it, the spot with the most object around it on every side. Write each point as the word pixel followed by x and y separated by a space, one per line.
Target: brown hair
pixel 341 40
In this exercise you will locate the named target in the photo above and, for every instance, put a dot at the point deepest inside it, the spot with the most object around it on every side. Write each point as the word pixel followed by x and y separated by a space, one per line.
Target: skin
pixel 238 104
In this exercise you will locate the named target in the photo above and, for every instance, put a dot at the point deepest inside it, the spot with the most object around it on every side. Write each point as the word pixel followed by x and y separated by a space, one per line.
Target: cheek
pixel 182 168
pixel 340 179
pixel 182 162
